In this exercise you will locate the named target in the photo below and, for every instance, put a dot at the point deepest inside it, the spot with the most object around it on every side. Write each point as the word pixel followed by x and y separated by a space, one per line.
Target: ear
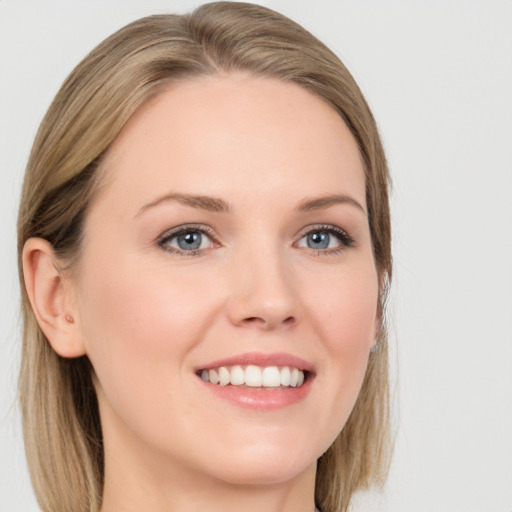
pixel 51 298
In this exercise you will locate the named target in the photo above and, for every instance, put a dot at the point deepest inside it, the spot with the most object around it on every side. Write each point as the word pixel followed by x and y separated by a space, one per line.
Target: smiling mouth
pixel 254 377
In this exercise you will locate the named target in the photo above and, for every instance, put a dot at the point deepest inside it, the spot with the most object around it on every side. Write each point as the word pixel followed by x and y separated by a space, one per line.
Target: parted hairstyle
pixel 61 422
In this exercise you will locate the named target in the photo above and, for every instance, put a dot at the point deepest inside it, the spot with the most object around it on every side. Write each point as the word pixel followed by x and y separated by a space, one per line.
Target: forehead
pixel 227 133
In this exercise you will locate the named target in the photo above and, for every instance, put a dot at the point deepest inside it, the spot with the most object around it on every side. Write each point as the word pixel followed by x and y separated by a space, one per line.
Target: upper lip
pixel 260 359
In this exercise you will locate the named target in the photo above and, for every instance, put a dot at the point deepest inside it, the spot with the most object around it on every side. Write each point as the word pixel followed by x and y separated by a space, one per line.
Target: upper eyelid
pixel 172 232
pixel 345 238
pixel 163 240
pixel 321 227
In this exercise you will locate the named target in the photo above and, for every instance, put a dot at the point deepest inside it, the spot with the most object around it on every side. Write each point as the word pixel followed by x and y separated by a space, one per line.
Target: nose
pixel 263 292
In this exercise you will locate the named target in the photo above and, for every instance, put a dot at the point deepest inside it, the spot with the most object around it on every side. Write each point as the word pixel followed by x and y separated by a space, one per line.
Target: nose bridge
pixel 262 286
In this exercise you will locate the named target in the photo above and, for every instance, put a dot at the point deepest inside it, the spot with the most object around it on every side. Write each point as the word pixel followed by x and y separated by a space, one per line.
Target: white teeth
pixel 214 377
pixel 285 376
pixel 271 377
pixel 237 376
pixel 294 378
pixel 255 376
pixel 224 376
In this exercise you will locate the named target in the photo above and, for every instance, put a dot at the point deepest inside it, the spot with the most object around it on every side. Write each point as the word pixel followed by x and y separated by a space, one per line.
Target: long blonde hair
pixel 61 421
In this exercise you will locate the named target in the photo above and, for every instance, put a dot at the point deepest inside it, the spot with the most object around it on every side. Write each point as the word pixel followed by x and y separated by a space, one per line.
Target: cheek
pixel 353 330
pixel 346 318
pixel 345 309
pixel 138 325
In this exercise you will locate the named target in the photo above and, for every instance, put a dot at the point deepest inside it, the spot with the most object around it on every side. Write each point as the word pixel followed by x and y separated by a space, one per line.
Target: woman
pixel 204 248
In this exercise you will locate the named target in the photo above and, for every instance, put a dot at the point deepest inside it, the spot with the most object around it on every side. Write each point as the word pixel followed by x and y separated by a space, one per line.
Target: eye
pixel 329 239
pixel 187 240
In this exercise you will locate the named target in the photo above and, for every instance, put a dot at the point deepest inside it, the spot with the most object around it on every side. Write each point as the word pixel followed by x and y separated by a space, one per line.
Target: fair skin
pixel 231 225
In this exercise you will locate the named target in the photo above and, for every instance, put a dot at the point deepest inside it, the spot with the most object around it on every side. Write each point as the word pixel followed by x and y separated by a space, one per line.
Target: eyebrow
pixel 211 204
pixel 324 202
pixel 215 204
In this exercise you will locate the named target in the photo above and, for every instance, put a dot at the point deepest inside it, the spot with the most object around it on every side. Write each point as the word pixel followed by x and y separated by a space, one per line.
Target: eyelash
pixel 164 239
pixel 346 241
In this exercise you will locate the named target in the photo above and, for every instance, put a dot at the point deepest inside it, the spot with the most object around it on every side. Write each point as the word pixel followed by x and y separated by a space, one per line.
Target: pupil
pixel 318 240
pixel 189 241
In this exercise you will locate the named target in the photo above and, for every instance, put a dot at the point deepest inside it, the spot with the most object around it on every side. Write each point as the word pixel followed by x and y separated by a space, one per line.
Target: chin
pixel 269 472
pixel 262 465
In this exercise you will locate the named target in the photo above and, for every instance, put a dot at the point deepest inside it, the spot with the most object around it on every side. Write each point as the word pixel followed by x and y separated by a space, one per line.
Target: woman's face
pixel 230 232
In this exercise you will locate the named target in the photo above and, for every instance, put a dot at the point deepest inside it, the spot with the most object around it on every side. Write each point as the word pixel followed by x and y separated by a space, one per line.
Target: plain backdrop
pixel 438 76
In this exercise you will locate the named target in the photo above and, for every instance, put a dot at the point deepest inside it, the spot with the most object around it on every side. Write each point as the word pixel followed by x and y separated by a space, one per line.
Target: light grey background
pixel 438 76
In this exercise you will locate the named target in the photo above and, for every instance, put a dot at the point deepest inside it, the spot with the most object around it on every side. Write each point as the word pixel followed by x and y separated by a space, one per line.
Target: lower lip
pixel 261 399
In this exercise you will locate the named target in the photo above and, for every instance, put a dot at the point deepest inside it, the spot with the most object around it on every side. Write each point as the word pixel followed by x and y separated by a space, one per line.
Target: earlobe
pixel 50 298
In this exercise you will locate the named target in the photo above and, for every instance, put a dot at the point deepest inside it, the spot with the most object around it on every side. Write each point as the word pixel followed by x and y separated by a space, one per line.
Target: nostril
pixel 267 323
